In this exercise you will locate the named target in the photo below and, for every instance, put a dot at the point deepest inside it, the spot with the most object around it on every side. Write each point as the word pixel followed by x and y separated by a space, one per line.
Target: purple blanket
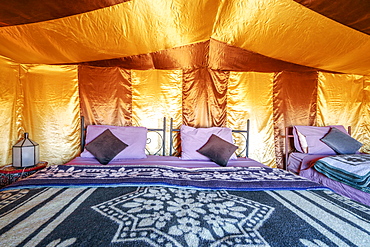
pixel 240 178
pixel 101 206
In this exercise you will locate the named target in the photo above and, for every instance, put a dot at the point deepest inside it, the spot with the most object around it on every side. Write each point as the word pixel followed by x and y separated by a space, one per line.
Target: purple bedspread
pixel 240 178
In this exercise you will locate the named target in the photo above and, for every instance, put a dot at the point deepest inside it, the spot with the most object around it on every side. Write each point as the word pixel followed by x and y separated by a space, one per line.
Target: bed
pixel 308 163
pixel 161 200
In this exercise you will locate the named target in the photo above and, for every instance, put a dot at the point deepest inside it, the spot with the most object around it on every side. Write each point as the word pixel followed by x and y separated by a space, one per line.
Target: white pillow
pixel 134 137
pixel 193 139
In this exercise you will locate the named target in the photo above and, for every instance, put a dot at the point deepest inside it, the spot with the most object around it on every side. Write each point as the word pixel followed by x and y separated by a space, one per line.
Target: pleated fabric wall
pixel 42 100
pixel 10 111
pixel 51 111
pixel 345 99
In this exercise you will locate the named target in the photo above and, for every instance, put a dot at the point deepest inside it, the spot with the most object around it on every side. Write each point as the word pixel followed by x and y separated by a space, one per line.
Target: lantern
pixel 25 153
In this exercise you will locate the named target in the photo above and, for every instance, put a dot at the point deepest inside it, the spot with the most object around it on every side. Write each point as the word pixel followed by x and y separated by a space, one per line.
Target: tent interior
pixel 203 63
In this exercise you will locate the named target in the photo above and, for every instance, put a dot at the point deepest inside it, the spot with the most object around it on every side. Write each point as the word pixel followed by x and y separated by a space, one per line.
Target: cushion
pixel 193 139
pixel 340 142
pixel 307 139
pixel 218 150
pixel 134 137
pixel 105 147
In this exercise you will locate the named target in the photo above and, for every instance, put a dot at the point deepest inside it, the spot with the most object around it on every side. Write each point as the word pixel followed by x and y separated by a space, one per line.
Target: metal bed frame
pixel 174 133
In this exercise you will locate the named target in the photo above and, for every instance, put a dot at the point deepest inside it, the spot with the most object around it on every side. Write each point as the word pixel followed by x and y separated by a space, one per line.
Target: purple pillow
pixel 134 137
pixel 105 147
pixel 193 139
pixel 218 150
pixel 307 139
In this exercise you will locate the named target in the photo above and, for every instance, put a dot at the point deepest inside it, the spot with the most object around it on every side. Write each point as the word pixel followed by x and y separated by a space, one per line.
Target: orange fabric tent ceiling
pixel 322 34
pixel 355 13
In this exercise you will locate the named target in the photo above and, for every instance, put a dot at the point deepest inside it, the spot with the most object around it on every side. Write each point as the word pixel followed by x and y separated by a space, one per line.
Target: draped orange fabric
pixel 204 98
pixel 105 95
pixel 49 112
pixel 203 63
pixel 295 101
pixel 250 97
pixel 11 103
pixel 353 111
pixel 197 97
pixel 115 30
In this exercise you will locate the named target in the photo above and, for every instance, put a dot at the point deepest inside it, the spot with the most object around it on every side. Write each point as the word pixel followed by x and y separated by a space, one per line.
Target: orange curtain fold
pixel 218 100
pixel 250 97
pixel 204 97
pixel 156 94
pixel 194 97
pixel 51 110
pixel 12 103
pixel 344 99
pixel 295 98
pixel 294 103
pixel 106 95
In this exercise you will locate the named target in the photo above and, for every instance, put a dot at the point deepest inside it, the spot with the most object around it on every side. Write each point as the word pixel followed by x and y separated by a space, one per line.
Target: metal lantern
pixel 25 153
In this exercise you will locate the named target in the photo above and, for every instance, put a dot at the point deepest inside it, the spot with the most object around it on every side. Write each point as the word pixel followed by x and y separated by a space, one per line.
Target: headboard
pixel 152 133
pixel 243 134
pixel 289 143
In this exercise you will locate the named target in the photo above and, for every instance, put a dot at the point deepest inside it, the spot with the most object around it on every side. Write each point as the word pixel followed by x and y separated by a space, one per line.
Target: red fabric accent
pixel 311 163
pixel 12 170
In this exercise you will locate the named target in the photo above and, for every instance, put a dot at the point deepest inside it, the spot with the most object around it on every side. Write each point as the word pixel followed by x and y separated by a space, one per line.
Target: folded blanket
pixel 351 169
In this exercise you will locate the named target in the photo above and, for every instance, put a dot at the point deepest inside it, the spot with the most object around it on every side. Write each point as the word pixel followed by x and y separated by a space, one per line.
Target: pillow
pixel 105 147
pixel 193 139
pixel 218 150
pixel 134 137
pixel 340 142
pixel 307 139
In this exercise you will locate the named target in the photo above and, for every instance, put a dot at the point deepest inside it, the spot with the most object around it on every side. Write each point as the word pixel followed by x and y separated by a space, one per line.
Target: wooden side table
pixel 10 174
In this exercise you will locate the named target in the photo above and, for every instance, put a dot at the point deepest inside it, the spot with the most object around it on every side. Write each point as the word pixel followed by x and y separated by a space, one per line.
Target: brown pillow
pixel 218 150
pixel 105 147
